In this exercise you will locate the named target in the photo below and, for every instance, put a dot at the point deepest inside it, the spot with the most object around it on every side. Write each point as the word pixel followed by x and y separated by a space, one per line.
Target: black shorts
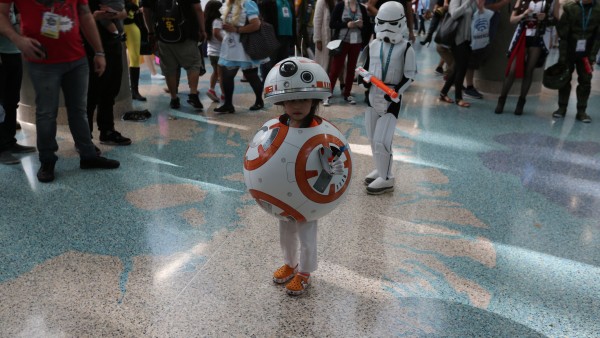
pixel 478 57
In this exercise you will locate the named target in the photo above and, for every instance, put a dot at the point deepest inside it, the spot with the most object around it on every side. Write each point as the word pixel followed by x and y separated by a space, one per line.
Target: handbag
pixel 262 43
pixel 446 33
pixel 335 46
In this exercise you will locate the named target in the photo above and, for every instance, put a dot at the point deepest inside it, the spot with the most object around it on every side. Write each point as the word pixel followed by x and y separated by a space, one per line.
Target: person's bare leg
pixel 149 62
pixel 193 79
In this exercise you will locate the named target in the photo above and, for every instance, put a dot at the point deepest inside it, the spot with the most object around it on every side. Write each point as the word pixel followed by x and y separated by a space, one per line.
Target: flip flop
pixel 463 104
pixel 446 98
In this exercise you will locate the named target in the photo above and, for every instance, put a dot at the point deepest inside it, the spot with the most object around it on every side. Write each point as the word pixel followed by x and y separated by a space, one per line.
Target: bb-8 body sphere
pixel 287 170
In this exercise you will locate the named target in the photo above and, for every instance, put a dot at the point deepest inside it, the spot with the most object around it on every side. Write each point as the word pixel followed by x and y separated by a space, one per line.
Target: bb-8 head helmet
pixel 390 22
pixel 296 78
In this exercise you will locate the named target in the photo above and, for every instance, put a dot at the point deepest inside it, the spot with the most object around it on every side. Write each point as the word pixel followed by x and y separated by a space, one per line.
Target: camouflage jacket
pixel 570 30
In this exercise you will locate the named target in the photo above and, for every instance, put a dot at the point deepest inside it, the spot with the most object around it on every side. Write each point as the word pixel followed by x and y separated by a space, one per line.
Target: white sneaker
pixel 381 186
pixel 157 77
pixel 326 102
pixel 350 99
pixel 371 177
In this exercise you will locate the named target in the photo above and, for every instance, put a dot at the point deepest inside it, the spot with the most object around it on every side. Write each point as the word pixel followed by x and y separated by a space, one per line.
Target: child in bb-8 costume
pixel 300 100
pixel 392 60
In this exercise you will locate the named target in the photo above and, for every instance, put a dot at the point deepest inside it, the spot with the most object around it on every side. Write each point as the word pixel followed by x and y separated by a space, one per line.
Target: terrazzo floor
pixel 493 229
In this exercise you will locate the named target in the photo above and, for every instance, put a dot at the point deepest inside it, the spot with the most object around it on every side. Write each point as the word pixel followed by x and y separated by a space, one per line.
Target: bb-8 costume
pixel 298 174
pixel 392 60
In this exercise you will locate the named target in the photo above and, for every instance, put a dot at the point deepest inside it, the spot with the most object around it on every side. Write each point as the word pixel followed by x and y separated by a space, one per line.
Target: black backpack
pixel 170 21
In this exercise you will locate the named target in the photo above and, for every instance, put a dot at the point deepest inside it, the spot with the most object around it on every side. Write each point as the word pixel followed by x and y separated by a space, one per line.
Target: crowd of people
pixel 85 61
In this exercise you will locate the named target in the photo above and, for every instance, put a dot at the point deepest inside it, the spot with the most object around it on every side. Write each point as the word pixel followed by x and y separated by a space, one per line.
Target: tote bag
pixel 262 43
pixel 446 33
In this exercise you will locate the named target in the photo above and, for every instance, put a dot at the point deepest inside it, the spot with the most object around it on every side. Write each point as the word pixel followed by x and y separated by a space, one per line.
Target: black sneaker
pixel 560 113
pixel 114 138
pixel 7 158
pixel 194 101
pixel 97 162
pixel 439 71
pixel 46 172
pixel 583 117
pixel 175 104
pixel 19 149
pixel 472 93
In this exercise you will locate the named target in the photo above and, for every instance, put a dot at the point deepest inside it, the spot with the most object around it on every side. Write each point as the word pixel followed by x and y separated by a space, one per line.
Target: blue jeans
pixel 48 80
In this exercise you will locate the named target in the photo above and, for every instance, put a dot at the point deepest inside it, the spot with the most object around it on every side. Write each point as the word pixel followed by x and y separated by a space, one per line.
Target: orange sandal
pixel 445 98
pixel 463 104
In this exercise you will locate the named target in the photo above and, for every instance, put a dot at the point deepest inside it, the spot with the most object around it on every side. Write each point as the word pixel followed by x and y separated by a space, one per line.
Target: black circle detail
pixel 288 69
pixel 307 77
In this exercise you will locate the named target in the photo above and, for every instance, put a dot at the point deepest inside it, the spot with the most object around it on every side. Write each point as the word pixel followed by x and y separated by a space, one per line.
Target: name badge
pixel 530 32
pixel 50 25
pixel 581 45
pixel 353 37
pixel 286 12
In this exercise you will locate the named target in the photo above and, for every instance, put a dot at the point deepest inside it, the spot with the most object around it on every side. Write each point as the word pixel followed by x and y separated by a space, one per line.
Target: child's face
pixel 297 109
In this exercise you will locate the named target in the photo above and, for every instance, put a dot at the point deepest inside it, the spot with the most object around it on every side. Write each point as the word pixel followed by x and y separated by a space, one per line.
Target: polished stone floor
pixel 493 229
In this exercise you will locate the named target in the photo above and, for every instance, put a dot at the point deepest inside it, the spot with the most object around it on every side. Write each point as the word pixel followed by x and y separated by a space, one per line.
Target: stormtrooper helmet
pixel 390 22
pixel 296 78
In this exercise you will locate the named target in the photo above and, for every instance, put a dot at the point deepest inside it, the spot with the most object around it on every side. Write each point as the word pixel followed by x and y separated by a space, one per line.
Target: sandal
pixel 463 104
pixel 445 98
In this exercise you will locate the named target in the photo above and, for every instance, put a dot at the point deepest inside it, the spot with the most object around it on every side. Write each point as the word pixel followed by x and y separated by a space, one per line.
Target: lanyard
pixel 385 65
pixel 586 21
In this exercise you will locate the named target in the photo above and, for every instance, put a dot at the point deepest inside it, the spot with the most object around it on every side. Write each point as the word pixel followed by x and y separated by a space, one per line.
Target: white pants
pixel 299 239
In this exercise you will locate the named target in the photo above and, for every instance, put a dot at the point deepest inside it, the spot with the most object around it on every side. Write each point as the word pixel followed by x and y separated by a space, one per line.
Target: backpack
pixel 170 21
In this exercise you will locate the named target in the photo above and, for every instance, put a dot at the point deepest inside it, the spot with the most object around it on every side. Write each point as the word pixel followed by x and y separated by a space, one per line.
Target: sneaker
pixel 560 113
pixel 439 71
pixel 371 177
pixel 97 162
pixel 298 285
pixel 349 99
pixel 114 138
pixel 472 93
pixel 7 158
pixel 583 117
pixel 212 95
pixel 175 104
pixel 284 274
pixel 225 109
pixel 381 186
pixel 326 102
pixel 46 172
pixel 194 101
pixel 157 77
pixel 19 149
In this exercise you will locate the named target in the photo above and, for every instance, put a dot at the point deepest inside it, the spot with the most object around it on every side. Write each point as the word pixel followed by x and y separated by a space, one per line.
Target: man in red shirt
pixel 51 44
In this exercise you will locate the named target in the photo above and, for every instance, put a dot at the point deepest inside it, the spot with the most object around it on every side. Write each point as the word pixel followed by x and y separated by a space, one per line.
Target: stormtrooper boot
pixel 381 186
pixel 371 177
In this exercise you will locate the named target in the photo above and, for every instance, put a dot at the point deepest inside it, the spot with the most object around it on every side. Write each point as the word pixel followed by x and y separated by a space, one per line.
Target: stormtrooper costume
pixel 392 60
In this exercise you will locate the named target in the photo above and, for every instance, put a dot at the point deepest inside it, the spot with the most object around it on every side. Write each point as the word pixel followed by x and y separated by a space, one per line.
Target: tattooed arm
pixel 90 32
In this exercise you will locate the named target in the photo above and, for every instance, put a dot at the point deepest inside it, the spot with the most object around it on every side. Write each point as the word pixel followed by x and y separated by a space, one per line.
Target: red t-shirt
pixel 69 45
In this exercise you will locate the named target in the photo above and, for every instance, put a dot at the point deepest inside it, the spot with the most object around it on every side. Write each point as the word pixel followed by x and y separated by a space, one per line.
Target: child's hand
pixel 337 167
pixel 331 164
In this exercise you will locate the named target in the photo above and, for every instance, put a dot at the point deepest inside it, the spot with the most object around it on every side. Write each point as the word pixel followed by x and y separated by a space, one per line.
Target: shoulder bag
pixel 262 43
pixel 446 33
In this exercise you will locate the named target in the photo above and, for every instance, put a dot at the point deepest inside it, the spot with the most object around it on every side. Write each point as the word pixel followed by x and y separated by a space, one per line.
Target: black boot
pixel 500 105
pixel 134 77
pixel 520 105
